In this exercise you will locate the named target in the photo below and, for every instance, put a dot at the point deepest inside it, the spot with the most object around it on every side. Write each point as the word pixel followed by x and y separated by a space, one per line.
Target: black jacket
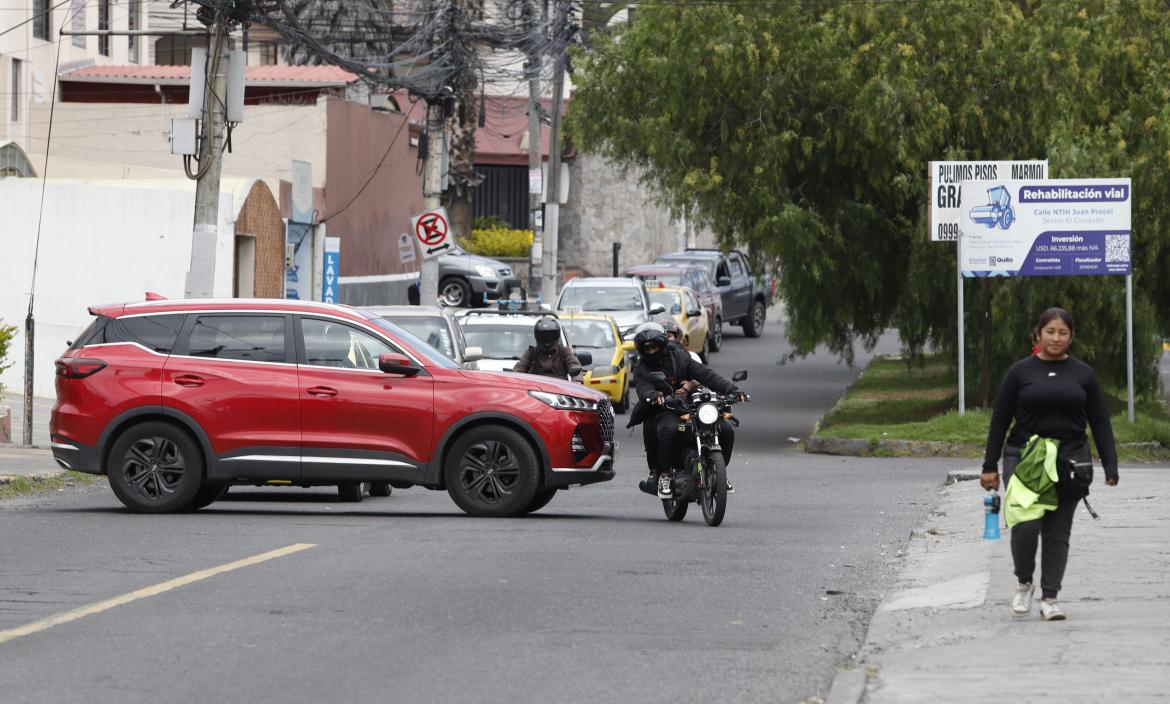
pixel 678 366
pixel 562 363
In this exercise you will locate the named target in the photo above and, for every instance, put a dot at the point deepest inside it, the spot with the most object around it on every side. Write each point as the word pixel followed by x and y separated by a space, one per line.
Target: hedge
pixel 499 242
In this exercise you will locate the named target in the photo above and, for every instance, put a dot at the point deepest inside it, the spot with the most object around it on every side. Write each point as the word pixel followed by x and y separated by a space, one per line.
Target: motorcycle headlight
pixel 485 271
pixel 605 370
pixel 708 414
pixel 564 402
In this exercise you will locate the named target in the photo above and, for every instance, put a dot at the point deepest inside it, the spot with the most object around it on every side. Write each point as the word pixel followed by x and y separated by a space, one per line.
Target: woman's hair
pixel 1052 314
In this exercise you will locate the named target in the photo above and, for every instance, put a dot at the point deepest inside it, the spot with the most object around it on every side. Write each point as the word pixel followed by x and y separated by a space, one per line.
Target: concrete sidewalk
pixel 42 410
pixel 27 462
pixel 946 633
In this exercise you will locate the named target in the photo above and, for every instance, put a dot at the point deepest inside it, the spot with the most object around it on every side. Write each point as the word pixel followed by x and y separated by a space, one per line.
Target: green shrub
pixel 489 222
pixel 7 332
pixel 499 242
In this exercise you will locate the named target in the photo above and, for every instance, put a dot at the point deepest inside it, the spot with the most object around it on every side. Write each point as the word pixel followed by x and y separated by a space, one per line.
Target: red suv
pixel 177 400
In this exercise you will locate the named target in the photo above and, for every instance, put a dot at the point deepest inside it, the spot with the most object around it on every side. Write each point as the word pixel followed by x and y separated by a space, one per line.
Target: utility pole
pixel 553 199
pixel 532 69
pixel 428 291
pixel 204 235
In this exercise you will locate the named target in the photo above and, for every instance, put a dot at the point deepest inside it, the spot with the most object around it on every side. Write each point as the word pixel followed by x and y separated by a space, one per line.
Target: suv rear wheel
pixel 492 471
pixel 155 467
pixel 753 324
pixel 715 336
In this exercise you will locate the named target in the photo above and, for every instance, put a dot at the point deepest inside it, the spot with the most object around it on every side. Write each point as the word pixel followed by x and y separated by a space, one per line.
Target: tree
pixel 804 132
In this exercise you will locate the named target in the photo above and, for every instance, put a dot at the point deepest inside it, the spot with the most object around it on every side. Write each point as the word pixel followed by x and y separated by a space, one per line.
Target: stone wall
pixel 606 207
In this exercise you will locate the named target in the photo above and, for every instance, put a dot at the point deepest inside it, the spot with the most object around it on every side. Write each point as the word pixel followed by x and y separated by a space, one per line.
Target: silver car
pixel 623 299
pixel 435 326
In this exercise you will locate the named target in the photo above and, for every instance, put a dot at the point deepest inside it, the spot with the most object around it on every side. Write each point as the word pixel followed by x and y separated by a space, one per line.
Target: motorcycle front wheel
pixel 674 510
pixel 713 490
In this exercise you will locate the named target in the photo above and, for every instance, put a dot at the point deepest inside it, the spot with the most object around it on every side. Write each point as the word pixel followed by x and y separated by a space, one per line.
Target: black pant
pixel 1054 527
pixel 663 441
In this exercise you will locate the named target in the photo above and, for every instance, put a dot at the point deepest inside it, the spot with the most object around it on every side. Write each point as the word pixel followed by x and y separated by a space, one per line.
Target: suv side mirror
pixel 657 308
pixel 472 354
pixel 723 281
pixel 585 358
pixel 391 363
pixel 739 375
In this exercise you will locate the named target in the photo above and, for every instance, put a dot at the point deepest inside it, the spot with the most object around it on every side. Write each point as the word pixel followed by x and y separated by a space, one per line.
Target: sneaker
pixel 1050 610
pixel 1022 602
pixel 649 485
pixel 664 490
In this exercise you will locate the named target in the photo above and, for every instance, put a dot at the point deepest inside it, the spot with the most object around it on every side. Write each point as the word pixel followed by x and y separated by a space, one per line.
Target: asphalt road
pixel 404 599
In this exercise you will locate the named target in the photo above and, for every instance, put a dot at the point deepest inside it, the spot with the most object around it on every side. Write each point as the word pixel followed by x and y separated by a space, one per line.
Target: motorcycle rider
pixel 549 357
pixel 658 354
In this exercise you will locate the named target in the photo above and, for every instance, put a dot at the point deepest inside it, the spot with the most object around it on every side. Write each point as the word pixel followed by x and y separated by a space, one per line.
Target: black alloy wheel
pixel 350 492
pixel 155 467
pixel 540 500
pixel 380 489
pixel 715 336
pixel 753 325
pixel 492 471
pixel 208 494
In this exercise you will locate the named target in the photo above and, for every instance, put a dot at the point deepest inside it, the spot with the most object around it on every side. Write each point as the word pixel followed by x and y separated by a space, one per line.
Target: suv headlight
pixel 485 271
pixel 605 370
pixel 564 402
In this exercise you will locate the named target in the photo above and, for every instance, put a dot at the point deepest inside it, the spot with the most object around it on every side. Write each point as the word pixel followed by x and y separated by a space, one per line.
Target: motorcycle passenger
pixel 674 333
pixel 658 354
pixel 549 357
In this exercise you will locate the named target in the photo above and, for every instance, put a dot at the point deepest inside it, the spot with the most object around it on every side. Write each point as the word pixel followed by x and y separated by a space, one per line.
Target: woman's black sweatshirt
pixel 1053 400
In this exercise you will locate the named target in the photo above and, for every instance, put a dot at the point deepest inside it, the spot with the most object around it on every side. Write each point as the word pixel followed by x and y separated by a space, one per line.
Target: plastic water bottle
pixel 991 516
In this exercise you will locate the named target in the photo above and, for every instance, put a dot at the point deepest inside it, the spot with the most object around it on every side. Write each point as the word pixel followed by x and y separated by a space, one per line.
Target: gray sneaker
pixel 1050 610
pixel 664 489
pixel 1022 601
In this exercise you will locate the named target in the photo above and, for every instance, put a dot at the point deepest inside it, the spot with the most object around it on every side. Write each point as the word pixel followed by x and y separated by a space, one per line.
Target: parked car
pixel 694 276
pixel 599 335
pixel 435 326
pixel 176 400
pixel 623 299
pixel 683 305
pixel 467 280
pixel 745 298
pixel 503 336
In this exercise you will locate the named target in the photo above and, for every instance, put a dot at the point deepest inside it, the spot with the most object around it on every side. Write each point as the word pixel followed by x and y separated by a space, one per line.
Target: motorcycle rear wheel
pixel 713 491
pixel 674 510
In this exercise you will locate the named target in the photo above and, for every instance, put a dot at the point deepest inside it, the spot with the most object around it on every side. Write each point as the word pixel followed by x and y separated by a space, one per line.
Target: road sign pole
pixel 1129 342
pixel 432 191
pixel 961 326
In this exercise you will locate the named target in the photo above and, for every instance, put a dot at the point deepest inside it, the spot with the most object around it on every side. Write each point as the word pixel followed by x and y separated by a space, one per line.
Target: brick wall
pixel 260 217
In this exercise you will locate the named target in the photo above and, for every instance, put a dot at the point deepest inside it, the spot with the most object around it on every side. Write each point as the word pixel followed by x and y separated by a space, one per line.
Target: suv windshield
pixel 500 341
pixel 433 356
pixel 433 331
pixel 600 298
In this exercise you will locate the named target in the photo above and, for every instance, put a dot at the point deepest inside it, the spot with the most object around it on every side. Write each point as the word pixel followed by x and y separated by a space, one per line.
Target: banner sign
pixel 332 266
pixel 944 209
pixel 1060 227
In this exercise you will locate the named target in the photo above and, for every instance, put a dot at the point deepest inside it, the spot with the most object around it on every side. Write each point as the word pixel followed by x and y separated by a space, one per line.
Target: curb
pixel 860 447
pixel 36 477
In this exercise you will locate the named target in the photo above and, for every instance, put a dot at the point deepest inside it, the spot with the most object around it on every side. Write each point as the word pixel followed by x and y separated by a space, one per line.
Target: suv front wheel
pixel 455 292
pixel 492 471
pixel 155 468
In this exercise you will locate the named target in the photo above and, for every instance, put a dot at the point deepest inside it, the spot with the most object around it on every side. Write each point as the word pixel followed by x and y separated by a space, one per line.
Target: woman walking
pixel 1053 396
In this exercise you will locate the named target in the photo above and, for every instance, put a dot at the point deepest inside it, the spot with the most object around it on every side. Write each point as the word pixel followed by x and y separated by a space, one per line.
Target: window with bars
pixel 133 22
pixel 104 24
pixel 42 19
pixel 77 24
pixel 17 71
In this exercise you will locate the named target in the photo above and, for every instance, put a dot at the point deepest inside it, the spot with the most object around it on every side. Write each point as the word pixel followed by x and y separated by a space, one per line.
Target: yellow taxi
pixel 683 305
pixel 598 334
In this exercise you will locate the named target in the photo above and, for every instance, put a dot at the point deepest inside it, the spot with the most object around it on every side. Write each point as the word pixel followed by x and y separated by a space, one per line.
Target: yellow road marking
pixel 155 590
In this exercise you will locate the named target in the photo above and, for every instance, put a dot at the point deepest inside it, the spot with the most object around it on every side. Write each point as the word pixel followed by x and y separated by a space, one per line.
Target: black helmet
pixel 669 325
pixel 548 334
pixel 646 334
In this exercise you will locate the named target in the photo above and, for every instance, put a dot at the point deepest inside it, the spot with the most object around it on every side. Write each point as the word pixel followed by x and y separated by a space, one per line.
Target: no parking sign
pixel 432 229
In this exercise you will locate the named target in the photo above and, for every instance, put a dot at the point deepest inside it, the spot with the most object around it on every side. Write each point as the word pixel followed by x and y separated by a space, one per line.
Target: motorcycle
pixel 698 474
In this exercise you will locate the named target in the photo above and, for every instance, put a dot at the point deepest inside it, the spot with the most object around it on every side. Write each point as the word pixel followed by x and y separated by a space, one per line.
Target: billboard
pixel 944 206
pixel 1058 227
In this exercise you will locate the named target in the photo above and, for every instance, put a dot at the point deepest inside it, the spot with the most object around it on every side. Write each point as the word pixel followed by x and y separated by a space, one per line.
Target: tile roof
pixel 275 75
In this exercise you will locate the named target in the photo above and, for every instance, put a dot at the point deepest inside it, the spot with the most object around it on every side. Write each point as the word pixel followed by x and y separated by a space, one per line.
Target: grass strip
pixel 18 486
pixel 893 401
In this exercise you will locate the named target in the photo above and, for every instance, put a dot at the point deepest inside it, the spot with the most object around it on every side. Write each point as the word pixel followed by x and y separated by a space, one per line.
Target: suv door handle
pixel 321 391
pixel 189 380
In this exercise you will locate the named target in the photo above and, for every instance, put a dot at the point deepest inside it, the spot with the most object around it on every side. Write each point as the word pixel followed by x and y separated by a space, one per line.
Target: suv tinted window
pixel 333 344
pixel 252 338
pixel 737 266
pixel 154 332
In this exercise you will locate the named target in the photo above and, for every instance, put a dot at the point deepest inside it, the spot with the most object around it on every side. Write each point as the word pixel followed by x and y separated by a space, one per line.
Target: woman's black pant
pixel 1054 527
pixel 663 440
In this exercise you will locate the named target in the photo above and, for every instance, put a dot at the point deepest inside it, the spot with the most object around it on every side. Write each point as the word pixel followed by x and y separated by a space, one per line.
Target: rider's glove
pixel 740 396
pixel 657 398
